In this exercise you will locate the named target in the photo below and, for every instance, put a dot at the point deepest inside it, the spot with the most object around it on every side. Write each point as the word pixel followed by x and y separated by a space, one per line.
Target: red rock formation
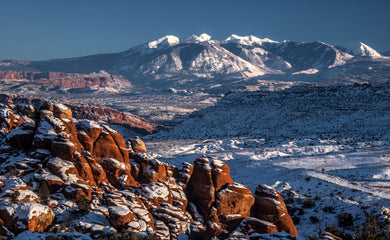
pixel 151 170
pixel 118 173
pixel 200 189
pixel 233 202
pixel 251 225
pixel 136 144
pixel 128 190
pixel 26 216
pixel 101 113
pixel 71 80
pixel 8 119
pixel 269 206
pixel 29 106
pixel 221 174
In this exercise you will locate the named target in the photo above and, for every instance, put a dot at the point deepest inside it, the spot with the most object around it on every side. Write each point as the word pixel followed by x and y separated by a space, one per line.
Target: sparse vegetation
pixel 308 204
pixel 14 197
pixel 372 229
pixel 84 205
pixel 344 219
pixel 123 236
pixel 44 192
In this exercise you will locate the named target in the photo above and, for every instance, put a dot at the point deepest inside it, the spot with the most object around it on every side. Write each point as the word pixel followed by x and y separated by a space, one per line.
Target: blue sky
pixel 43 29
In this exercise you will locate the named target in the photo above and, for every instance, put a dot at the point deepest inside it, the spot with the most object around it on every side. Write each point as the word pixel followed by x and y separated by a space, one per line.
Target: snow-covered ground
pixel 327 149
pixel 340 175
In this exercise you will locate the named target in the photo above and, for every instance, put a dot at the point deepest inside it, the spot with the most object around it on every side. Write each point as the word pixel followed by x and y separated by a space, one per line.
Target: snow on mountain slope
pixel 195 58
pixel 304 56
pixel 166 41
pixel 329 112
pixel 248 40
pixel 201 38
pixel 270 62
pixel 215 60
pixel 167 62
pixel 361 49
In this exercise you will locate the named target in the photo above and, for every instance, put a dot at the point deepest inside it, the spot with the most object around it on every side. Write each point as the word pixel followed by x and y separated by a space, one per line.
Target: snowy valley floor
pixel 319 179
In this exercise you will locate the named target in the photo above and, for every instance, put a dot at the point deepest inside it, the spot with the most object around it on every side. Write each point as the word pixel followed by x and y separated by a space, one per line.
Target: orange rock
pixel 77 191
pixel 234 201
pixel 97 170
pixel 62 111
pixel 137 145
pixel 110 144
pixel 27 216
pixel 252 225
pixel 269 206
pixel 118 173
pixel 200 189
pixel 8 119
pixel 152 170
pixel 119 216
pixel 221 174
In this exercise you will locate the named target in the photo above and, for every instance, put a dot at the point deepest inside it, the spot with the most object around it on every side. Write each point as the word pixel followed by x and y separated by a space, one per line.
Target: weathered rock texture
pixel 88 178
pixel 28 108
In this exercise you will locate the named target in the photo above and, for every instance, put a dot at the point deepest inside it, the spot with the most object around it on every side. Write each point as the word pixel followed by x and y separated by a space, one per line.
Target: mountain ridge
pixel 199 57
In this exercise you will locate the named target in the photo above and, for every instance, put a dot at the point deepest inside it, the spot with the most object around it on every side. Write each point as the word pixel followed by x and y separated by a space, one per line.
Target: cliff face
pixel 58 175
pixel 100 80
pixel 94 112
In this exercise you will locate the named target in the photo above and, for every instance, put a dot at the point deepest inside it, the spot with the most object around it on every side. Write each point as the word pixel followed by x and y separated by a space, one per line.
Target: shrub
pixel 14 197
pixel 308 204
pixel 372 230
pixel 84 205
pixel 314 219
pixel 44 192
pixel 344 219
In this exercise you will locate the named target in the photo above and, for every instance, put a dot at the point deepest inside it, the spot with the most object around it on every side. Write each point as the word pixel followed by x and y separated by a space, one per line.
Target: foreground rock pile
pixel 62 175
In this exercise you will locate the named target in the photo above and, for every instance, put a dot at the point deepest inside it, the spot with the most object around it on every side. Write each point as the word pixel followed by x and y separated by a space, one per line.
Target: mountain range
pixel 169 62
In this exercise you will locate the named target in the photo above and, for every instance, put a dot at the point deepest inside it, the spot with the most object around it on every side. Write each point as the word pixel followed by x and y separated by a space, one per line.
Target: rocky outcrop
pixel 70 80
pixel 269 206
pixel 89 179
pixel 221 202
pixel 28 107
pixel 136 144
pixel 26 216
pixel 8 119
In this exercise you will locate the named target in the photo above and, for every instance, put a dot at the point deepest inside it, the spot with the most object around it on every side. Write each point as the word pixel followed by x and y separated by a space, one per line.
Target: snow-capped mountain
pixel 248 40
pixel 169 62
pixel 303 56
pixel 361 49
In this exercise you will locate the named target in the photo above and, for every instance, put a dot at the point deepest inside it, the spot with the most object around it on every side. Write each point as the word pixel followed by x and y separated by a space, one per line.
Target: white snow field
pixel 329 145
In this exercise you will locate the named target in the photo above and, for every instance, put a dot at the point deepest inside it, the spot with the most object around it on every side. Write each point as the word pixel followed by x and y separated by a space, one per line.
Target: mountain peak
pixel 248 40
pixel 361 49
pixel 166 41
pixel 201 38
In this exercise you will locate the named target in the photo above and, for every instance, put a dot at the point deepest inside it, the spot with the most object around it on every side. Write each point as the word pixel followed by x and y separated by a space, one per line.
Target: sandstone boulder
pixel 269 206
pixel 8 119
pixel 200 189
pixel 26 216
pixel 136 144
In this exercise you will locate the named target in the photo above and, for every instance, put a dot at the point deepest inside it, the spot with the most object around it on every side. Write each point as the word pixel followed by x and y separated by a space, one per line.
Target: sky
pixel 46 29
